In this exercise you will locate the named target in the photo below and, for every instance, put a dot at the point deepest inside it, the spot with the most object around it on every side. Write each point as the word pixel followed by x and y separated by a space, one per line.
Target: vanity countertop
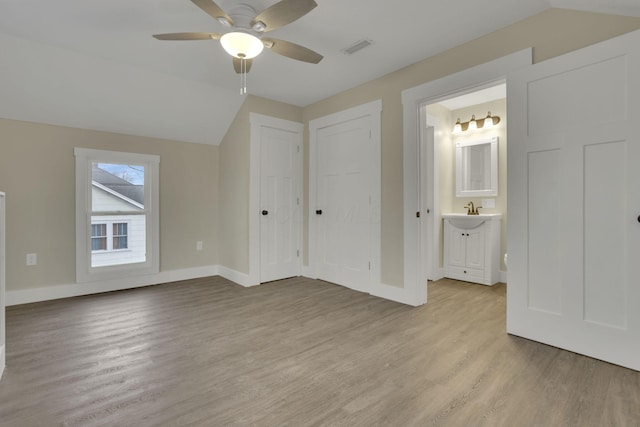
pixel 484 216
pixel 465 221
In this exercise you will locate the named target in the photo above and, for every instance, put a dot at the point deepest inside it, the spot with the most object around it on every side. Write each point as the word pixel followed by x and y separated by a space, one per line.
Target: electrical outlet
pixel 32 259
pixel 199 245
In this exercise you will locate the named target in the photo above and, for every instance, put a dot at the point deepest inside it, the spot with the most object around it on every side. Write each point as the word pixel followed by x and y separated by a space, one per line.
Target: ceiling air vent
pixel 359 45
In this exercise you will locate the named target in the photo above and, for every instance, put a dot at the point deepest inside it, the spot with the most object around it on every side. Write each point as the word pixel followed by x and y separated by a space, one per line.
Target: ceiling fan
pixel 245 40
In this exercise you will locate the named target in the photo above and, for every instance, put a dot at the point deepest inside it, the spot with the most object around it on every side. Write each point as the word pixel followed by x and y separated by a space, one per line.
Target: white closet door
pixel 573 201
pixel 279 200
pixel 344 212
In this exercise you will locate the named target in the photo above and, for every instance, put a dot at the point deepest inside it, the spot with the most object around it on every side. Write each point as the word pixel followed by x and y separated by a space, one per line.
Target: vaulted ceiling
pixel 102 53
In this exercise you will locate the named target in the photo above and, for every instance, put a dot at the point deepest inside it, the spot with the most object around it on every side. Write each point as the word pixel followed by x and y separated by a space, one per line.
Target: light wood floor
pixel 296 352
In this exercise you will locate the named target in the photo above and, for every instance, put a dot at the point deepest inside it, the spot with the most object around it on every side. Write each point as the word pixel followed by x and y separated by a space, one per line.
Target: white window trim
pixel 84 159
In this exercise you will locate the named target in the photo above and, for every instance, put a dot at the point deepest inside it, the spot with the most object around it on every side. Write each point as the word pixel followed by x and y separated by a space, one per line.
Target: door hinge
pixel 298 148
pixel 297 200
pixel 417 214
pixel 298 253
pixel 369 265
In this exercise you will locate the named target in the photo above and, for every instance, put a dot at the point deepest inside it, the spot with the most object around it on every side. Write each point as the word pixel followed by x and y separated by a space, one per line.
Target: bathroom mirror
pixel 477 167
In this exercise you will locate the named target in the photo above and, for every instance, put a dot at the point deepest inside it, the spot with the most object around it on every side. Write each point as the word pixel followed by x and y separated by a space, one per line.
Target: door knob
pixel 319 212
pixel 265 212
pixel 638 218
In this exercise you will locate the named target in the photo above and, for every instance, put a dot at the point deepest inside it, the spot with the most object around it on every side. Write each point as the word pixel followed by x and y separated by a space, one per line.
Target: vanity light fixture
pixel 474 123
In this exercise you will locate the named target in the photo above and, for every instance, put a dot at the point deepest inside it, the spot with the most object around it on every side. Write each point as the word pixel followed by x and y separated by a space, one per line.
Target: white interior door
pixel 429 222
pixel 279 204
pixel 574 205
pixel 344 214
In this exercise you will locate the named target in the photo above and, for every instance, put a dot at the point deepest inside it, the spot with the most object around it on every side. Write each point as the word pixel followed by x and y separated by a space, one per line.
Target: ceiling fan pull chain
pixel 243 76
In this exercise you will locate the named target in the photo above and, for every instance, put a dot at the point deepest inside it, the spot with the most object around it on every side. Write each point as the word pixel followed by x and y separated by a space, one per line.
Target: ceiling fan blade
pixel 283 13
pixel 292 50
pixel 213 10
pixel 237 64
pixel 188 36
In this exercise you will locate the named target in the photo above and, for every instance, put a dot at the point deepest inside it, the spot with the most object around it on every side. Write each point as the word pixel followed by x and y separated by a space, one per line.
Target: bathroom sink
pixel 464 221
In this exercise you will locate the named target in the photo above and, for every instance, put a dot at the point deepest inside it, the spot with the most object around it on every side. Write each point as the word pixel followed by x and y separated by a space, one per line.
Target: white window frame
pixel 84 159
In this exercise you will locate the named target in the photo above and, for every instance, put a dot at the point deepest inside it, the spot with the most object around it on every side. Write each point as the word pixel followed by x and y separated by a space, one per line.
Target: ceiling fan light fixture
pixel 241 45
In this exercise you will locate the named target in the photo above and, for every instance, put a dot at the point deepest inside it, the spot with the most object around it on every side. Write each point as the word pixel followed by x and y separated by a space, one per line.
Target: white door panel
pixel 279 202
pixel 574 231
pixel 344 153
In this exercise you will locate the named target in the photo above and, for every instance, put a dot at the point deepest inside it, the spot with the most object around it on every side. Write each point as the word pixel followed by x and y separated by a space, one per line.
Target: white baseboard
pixel 393 293
pixel 503 276
pixel 308 272
pixel 380 290
pixel 25 296
pixel 241 279
pixel 439 274
pixel 2 360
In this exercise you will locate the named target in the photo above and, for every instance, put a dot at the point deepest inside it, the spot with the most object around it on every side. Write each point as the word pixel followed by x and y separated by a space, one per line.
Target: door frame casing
pixel 257 121
pixel 372 109
pixel 469 80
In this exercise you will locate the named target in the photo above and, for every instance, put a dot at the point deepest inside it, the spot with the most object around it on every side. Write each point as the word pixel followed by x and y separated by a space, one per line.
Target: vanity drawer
pixel 471 273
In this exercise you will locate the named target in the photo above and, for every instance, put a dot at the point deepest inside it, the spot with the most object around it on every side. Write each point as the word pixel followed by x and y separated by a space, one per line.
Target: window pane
pixel 117 187
pixel 120 240
pixel 98 230
pixel 98 243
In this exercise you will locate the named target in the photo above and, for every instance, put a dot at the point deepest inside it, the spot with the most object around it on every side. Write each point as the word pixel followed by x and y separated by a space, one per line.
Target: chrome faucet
pixel 471 209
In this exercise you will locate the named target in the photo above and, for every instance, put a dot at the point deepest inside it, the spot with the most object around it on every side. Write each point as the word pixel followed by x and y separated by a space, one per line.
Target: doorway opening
pixel 419 215
pixel 443 169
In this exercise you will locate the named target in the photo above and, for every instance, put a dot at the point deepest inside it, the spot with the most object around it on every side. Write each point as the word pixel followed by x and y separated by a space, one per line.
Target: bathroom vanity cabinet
pixel 472 247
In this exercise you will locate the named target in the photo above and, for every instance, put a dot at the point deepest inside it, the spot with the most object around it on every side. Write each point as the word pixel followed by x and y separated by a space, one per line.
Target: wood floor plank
pixel 296 352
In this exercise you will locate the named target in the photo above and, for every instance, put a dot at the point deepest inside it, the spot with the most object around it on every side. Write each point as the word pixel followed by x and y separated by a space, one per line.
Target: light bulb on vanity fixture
pixel 457 128
pixel 473 123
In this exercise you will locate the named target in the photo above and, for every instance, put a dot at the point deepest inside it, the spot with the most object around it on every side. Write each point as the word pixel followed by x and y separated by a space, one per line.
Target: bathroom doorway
pixel 465 117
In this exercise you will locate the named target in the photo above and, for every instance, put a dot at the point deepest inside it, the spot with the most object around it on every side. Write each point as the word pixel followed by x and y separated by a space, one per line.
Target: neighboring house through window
pixel 116 214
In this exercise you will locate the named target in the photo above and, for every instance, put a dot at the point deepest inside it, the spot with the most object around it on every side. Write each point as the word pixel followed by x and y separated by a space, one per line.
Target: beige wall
pixel 205 187
pixel 550 33
pixel 234 180
pixel 37 171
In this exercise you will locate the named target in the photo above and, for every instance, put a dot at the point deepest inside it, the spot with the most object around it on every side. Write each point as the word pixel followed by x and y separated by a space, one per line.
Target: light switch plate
pixel 489 203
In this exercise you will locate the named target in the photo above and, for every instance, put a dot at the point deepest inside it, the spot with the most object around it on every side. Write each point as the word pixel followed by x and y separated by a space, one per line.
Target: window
pixel 116 214
pixel 118 237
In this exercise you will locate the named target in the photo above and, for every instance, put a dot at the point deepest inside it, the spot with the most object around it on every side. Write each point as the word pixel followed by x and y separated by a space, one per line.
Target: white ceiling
pixel 474 98
pixel 119 32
